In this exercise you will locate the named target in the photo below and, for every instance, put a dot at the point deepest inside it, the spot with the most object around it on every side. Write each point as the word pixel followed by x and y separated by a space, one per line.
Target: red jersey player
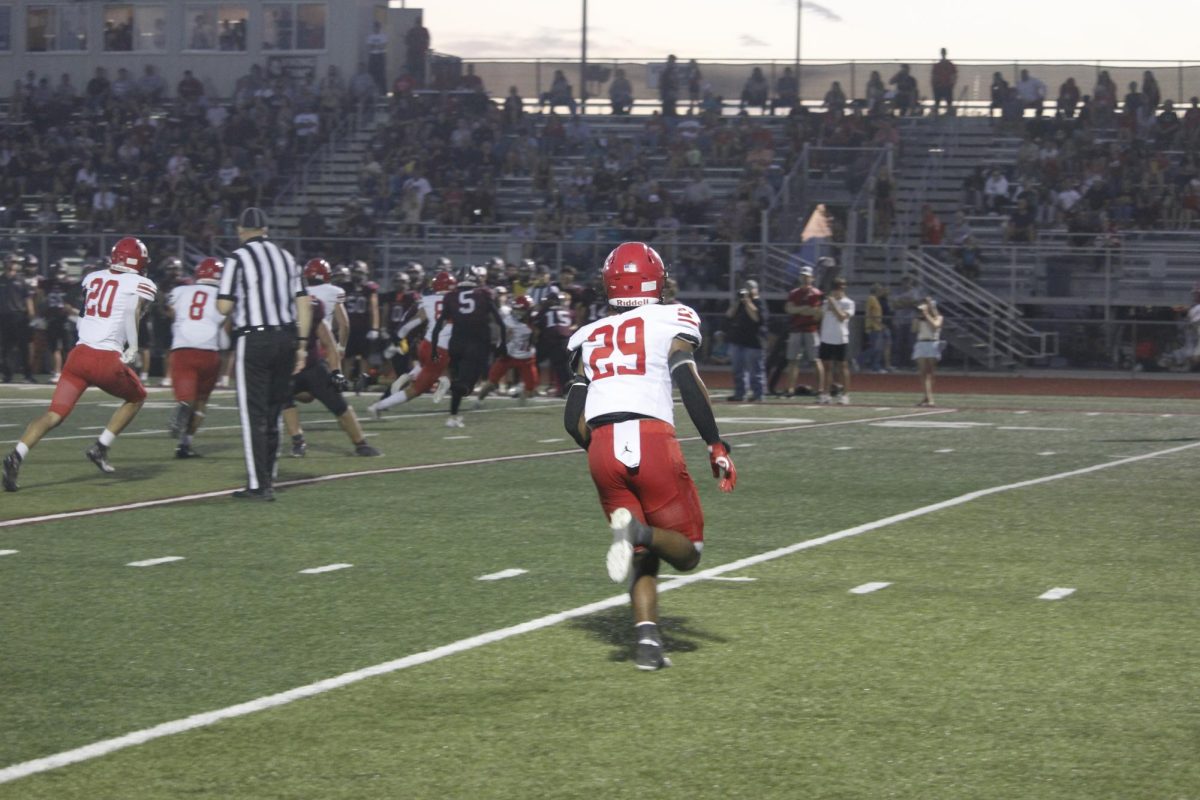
pixel 620 409
pixel 195 350
pixel 108 341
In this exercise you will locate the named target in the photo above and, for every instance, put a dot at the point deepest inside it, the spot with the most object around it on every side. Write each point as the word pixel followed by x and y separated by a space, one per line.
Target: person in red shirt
pixel 943 77
pixel 932 228
pixel 804 310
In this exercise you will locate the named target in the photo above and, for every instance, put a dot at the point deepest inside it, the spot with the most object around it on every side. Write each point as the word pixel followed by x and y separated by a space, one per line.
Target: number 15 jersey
pixel 625 358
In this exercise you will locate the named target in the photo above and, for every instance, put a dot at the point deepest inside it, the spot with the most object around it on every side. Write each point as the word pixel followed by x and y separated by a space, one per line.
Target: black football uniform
pixel 471 310
pixel 555 325
pixel 58 296
pixel 314 378
pixel 358 309
pixel 401 311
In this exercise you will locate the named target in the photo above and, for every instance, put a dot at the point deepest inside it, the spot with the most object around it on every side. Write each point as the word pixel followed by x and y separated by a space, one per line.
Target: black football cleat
pixel 265 495
pixel 299 447
pixel 12 465
pixel 650 656
pixel 186 451
pixel 364 449
pixel 98 455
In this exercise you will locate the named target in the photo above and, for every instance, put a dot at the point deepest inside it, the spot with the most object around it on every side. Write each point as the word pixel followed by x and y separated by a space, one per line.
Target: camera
pixel 742 293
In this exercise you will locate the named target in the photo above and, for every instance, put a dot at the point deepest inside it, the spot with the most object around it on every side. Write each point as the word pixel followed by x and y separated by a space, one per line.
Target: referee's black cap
pixel 253 219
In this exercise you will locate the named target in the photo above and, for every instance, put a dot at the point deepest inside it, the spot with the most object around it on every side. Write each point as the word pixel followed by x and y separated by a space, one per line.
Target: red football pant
pixel 525 367
pixel 87 366
pixel 430 370
pixel 660 492
pixel 194 374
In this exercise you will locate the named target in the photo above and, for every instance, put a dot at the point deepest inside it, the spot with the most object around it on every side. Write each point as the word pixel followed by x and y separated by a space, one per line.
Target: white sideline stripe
pixel 1057 593
pixel 1048 453
pixel 1020 412
pixel 186 498
pixel 727 579
pixel 106 746
pixel 1027 428
pixel 326 568
pixel 550 441
pixel 502 574
pixel 153 562
pixel 945 450
pixel 457 437
pixel 9 552
pixel 867 588
pixel 843 447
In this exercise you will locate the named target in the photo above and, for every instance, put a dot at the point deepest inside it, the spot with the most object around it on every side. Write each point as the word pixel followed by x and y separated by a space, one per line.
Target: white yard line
pixel 9 552
pixel 154 562
pixel 326 568
pixel 187 498
pixel 1028 428
pixel 502 574
pixel 1057 593
pixel 867 588
pixel 202 720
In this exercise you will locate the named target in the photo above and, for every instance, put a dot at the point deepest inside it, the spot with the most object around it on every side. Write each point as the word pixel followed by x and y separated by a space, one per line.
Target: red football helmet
pixel 209 271
pixel 522 306
pixel 317 271
pixel 129 255
pixel 443 282
pixel 634 275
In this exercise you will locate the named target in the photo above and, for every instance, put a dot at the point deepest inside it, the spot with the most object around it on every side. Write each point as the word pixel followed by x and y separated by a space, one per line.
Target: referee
pixel 261 287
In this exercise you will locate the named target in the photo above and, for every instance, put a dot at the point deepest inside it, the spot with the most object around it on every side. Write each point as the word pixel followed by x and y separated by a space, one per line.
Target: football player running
pixel 620 409
pixel 114 300
pixel 362 307
pixel 195 361
pixel 429 370
pixel 517 352
pixel 470 310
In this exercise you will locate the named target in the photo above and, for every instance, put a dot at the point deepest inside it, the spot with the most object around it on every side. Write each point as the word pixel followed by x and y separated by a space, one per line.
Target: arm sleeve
pixel 225 292
pixel 577 390
pixel 694 395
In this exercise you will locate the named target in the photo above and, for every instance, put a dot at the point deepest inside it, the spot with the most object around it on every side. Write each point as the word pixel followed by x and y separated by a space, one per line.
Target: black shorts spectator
pixel 831 352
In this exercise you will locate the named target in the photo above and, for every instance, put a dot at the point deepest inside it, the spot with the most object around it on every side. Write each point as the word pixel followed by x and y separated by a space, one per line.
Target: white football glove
pixel 372 335
pixel 129 355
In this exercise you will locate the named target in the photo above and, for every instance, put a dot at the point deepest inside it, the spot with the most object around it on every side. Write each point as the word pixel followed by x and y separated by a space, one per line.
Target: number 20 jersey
pixel 109 297
pixel 197 322
pixel 625 358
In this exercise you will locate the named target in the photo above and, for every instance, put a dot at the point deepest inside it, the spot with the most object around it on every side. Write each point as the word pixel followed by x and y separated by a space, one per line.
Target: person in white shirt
pixel 195 361
pixel 995 192
pixel 114 300
pixel 927 350
pixel 1031 92
pixel 620 409
pixel 835 342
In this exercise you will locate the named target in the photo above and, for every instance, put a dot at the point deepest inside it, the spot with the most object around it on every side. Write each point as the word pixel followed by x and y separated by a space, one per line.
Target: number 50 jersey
pixel 625 358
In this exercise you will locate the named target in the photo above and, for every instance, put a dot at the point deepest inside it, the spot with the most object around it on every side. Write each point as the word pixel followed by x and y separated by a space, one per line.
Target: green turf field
pixel 953 681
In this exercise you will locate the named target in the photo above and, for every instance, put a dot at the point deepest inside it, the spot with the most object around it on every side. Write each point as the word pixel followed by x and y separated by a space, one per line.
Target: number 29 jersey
pixel 625 358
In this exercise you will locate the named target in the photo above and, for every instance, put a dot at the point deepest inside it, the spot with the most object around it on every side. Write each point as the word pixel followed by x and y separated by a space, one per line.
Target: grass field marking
pixel 945 450
pixel 1020 412
pixel 154 562
pixel 726 578
pixel 9 552
pixel 326 568
pixel 873 586
pixel 550 441
pixel 1057 593
pixel 502 574
pixel 1048 453
pixel 844 447
pixel 106 746
pixel 451 438
pixel 1028 428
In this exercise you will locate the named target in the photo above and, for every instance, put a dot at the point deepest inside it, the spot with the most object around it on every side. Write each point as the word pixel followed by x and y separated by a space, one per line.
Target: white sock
pixel 107 438
pixel 22 450
pixel 186 440
pixel 393 400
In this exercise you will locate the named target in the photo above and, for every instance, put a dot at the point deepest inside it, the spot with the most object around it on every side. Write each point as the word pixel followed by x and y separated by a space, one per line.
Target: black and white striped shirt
pixel 264 281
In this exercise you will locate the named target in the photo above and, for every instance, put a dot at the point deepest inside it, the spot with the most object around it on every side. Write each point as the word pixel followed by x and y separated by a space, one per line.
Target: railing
pixel 73 251
pixel 316 164
pixel 980 318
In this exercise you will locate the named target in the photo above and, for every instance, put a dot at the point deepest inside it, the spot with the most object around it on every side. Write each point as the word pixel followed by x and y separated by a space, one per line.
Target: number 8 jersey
pixel 108 297
pixel 625 358
pixel 197 323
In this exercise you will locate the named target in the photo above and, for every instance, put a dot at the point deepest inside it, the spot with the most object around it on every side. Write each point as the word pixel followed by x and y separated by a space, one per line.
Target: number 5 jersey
pixel 109 298
pixel 625 358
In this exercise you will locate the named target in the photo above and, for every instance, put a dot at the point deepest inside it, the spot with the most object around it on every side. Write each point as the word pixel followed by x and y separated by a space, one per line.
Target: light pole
pixel 583 63
pixel 799 13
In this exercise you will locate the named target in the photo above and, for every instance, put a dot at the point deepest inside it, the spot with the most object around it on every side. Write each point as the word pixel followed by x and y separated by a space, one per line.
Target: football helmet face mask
pixel 360 272
pixel 443 282
pixel 634 275
pixel 209 271
pixel 317 271
pixel 129 255
pixel 341 274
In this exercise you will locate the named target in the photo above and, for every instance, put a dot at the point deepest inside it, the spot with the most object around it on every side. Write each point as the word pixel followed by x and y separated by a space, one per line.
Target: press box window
pixel 215 27
pixel 55 29
pixel 294 26
pixel 129 27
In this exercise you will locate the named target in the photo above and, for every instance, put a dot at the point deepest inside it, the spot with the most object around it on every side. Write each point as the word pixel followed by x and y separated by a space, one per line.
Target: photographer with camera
pixel 835 342
pixel 927 350
pixel 747 328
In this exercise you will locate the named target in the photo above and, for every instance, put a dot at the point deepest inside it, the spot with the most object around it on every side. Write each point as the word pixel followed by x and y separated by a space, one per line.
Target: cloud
pixel 542 43
pixel 753 41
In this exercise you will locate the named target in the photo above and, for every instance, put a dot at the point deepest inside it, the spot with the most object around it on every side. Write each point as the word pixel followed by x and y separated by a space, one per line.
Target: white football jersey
pixel 625 358
pixel 431 304
pixel 517 337
pixel 197 323
pixel 330 296
pixel 109 297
